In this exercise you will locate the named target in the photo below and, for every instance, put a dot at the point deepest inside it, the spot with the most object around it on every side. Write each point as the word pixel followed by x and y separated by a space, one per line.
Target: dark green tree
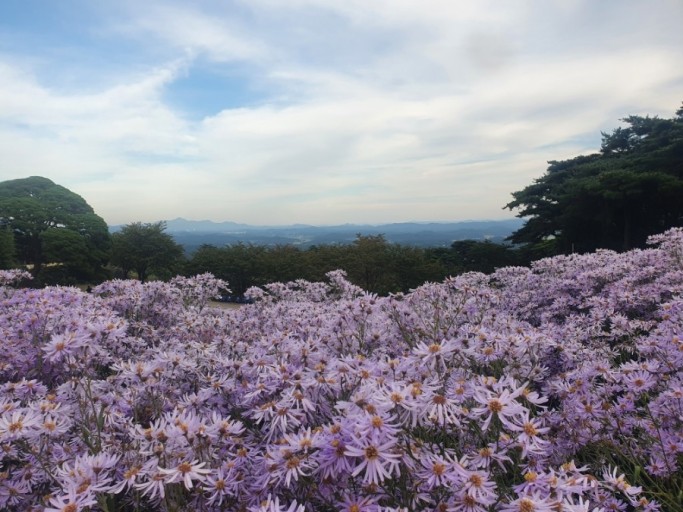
pixel 412 267
pixel 241 265
pixel 368 263
pixel 285 263
pixel 613 199
pixel 42 216
pixel 147 250
pixel 483 256
pixel 320 259
pixel 7 248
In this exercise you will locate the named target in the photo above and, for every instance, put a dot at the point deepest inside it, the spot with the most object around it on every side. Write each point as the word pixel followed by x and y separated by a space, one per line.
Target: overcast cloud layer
pixel 321 111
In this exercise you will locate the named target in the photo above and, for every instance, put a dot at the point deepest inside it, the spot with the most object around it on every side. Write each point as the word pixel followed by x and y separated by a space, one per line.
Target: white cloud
pixel 430 110
pixel 185 28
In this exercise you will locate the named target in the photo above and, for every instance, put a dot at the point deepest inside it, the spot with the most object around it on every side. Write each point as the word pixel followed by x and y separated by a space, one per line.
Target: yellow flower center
pixel 526 505
pixel 371 453
pixel 495 405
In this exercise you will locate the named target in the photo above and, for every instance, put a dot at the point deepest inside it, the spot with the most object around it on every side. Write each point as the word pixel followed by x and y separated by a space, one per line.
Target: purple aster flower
pixel 378 460
pixel 71 502
pixel 530 503
pixel 502 405
pixel 186 472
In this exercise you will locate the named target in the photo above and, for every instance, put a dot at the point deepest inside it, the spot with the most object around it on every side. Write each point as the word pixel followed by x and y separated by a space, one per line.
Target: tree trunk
pixel 627 230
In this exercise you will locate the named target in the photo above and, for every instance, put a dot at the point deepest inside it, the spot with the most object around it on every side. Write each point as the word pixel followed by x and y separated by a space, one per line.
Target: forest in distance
pixel 193 234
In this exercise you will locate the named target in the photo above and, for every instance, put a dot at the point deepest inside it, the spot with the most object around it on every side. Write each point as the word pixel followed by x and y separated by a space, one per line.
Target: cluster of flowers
pixel 552 388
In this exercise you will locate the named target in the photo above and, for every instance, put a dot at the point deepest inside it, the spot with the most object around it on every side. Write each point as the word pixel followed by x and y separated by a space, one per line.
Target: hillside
pixel 192 234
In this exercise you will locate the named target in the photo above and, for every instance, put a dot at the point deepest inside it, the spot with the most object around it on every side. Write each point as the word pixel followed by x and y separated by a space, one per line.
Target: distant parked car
pixel 237 299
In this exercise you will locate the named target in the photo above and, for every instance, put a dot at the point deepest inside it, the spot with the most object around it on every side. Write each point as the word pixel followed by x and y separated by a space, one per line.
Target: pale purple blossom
pixel 186 472
pixel 376 459
pixel 475 394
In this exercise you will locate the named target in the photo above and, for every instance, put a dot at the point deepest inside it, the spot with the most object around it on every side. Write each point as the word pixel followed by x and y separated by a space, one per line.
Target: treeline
pixel 146 251
pixel 370 262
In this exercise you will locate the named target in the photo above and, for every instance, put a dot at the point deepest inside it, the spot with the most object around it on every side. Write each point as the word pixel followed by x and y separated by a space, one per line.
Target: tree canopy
pixel 370 261
pixel 613 199
pixel 146 249
pixel 52 224
pixel 7 248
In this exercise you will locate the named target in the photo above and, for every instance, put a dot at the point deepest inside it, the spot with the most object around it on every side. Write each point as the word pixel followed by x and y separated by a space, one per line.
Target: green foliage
pixel 7 248
pixel 413 266
pixel 367 262
pixel 241 265
pixel 381 267
pixel 51 224
pixel 146 249
pixel 486 257
pixel 370 262
pixel 613 199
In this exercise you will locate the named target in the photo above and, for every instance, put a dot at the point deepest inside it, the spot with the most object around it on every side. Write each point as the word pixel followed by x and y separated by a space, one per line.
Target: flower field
pixel 552 388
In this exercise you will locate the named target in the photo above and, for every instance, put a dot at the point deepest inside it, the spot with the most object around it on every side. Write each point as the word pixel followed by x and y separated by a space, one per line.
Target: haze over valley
pixel 192 234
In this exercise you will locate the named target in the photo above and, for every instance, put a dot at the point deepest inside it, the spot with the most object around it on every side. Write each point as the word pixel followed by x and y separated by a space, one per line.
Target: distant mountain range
pixel 193 233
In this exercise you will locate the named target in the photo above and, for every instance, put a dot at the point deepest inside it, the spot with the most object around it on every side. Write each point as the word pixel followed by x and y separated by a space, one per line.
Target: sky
pixel 274 112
